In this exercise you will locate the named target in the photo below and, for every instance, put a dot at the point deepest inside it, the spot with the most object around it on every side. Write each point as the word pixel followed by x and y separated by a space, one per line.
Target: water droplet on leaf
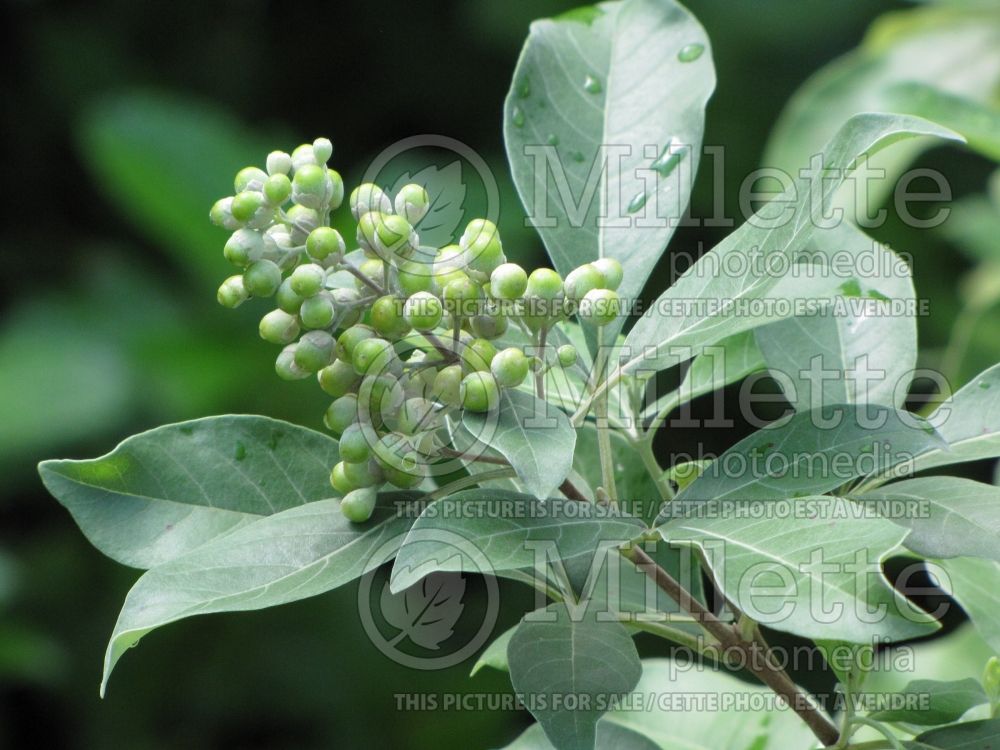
pixel 984 385
pixel 524 88
pixel 667 162
pixel 690 52
pixel 576 156
pixel 241 451
pixel 517 117
pixel 591 85
pixel 553 139
pixel 637 202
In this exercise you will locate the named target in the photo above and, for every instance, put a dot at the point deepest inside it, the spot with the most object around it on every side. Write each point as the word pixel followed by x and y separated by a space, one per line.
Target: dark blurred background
pixel 123 121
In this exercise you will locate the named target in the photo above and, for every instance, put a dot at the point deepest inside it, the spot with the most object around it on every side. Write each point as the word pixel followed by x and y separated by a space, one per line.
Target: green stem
pixel 675 635
pixel 604 433
pixel 540 372
pixel 892 739
pixel 470 481
pixel 645 448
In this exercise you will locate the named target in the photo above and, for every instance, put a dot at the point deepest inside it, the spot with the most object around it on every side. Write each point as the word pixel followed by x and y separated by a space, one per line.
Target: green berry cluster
pixel 398 334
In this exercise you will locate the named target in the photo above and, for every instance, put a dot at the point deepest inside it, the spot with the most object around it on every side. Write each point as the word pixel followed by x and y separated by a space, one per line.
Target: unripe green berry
pixel 303 156
pixel 367 232
pixel 479 392
pixel 287 299
pixel 567 355
pixel 314 351
pixel 338 378
pixel 309 186
pixel 350 338
pixel 277 189
pixel 317 311
pixel 599 307
pixel 510 367
pixel 544 284
pixel 245 205
pixel 477 355
pixel 339 481
pixel 322 150
pixel 358 505
pixel 372 355
pixel 405 480
pixel 482 247
pixel 374 269
pixel 244 247
pixel 379 397
pixel 341 414
pixel 278 162
pixel 278 327
pixel 232 293
pixel 277 241
pixel 286 366
pixel 444 275
pixel 369 197
pixel 414 276
pixel 346 301
pixel 302 220
pixel 324 242
pixel 221 214
pixel 249 178
pixel 447 385
pixel 363 474
pixel 489 326
pixel 417 415
pixel 581 280
pixel 387 317
pixel 611 270
pixel 262 278
pixel 307 280
pixel 354 444
pixel 336 184
pixel 394 237
pixel 423 311
pixel 461 297
pixel 508 281
pixel 412 203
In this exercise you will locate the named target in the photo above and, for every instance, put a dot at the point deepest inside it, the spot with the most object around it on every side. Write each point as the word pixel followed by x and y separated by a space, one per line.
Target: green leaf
pixel 756 245
pixel 806 454
pixel 975 585
pixel 812 356
pixel 947 516
pixel 692 711
pixel 946 702
pixel 609 737
pixel 294 554
pixel 495 655
pixel 164 161
pixel 496 532
pixel 571 662
pixel 164 492
pixel 637 493
pixel 807 566
pixel 972 735
pixel 533 435
pixel 610 88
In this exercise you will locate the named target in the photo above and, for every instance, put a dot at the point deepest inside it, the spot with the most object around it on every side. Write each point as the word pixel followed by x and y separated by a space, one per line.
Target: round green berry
pixel 307 279
pixel 599 307
pixel 379 396
pixel 286 367
pixel 278 162
pixel 479 392
pixel 371 268
pixel 363 474
pixel 262 278
pixel 341 414
pixel 338 378
pixel 245 205
pixel 314 351
pixel 317 311
pixel 369 197
pixel 394 237
pixel 358 505
pixel 581 280
pixel 277 189
pixel 544 284
pixel 303 155
pixel 278 327
pixel 445 275
pixel 510 367
pixel 354 445
pixel 387 317
pixel 508 281
pixel 481 243
pixel 414 276
pixel 336 184
pixel 309 186
pixel 249 178
pixel 461 297
pixel 372 355
pixel 367 232
pixel 567 355
pixel 287 299
pixel 423 311
pixel 489 326
pixel 417 415
pixel 346 301
pixel 405 480
pixel 447 385
pixel 322 150
pixel 477 355
pixel 350 338
pixel 325 242
pixel 233 292
pixel 412 203
pixel 611 270
pixel 244 247
pixel 221 214
pixel 339 481
pixel 301 221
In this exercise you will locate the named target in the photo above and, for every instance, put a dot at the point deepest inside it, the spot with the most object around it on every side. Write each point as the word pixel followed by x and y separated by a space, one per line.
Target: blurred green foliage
pixel 126 120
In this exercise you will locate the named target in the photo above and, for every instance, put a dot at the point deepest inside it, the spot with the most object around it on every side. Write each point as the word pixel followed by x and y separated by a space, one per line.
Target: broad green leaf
pixel 807 566
pixel 605 104
pixel 782 228
pixel 699 709
pixel 955 50
pixel 636 491
pixel 164 492
pixel 975 585
pixel 945 702
pixel 494 532
pixel 812 452
pixel 533 435
pixel 294 554
pixel 972 735
pixel 495 655
pixel 164 161
pixel 819 359
pixel 947 516
pixel 609 737
pixel 568 662
pixel 969 422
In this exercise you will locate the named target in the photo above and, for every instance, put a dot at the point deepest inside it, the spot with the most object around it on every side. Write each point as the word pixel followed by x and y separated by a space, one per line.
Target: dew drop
pixel 552 140
pixel 984 385
pixel 517 117
pixel 524 88
pixel 187 430
pixel 576 156
pixel 591 85
pixel 637 202
pixel 690 52
pixel 667 161
pixel 241 451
